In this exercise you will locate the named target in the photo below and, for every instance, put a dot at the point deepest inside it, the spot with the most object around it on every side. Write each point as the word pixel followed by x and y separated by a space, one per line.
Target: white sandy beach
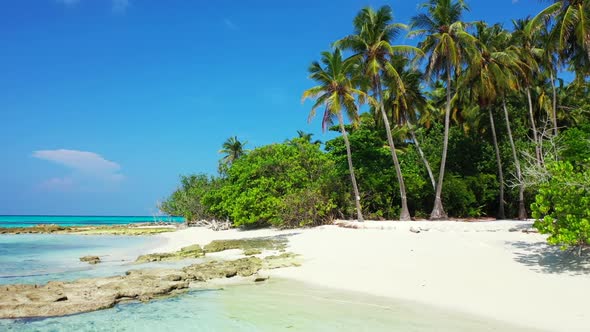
pixel 477 268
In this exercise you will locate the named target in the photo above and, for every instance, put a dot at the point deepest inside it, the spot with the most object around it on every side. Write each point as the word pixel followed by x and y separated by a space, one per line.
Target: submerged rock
pixel 249 247
pixel 252 251
pixel 283 260
pixel 259 243
pixel 194 251
pixel 90 259
pixel 64 298
pixel 243 267
pixel 261 278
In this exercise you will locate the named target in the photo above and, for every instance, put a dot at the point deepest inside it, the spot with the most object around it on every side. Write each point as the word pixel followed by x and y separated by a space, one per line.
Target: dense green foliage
pixel 470 120
pixel 562 205
pixel 280 184
pixel 289 184
pixel 188 200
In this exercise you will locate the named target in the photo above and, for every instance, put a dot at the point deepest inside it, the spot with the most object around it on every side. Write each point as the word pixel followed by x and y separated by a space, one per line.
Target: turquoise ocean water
pixel 278 305
pixel 28 221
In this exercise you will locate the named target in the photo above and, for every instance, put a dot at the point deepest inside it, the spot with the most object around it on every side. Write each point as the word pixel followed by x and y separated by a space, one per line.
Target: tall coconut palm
pixel 530 53
pixel 373 34
pixel 405 107
pixel 502 41
pixel 336 92
pixel 571 30
pixel 549 63
pixel 488 77
pixel 232 149
pixel 449 46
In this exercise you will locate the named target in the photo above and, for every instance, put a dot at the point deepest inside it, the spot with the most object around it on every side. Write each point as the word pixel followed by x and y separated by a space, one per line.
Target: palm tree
pixel 549 63
pixel 336 92
pixel 307 136
pixel 571 30
pixel 527 40
pixel 371 41
pixel 449 46
pixel 232 149
pixel 489 77
pixel 407 107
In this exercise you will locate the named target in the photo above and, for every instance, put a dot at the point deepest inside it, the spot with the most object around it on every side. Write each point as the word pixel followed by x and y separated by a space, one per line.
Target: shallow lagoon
pixel 278 305
pixel 38 258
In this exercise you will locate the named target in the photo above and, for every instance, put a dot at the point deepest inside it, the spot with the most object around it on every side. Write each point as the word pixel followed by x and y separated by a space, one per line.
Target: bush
pixel 306 207
pixel 188 200
pixel 575 145
pixel 562 206
pixel 284 185
pixel 458 197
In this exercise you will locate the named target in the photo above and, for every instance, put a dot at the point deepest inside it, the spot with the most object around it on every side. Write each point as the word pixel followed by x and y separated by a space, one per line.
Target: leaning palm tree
pixel 336 92
pixel 405 108
pixel 232 149
pixel 449 46
pixel 371 42
pixel 571 30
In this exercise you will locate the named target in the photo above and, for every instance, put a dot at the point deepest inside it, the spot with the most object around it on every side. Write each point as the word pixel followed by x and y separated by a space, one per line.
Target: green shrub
pixel 188 200
pixel 575 143
pixel 458 197
pixel 284 185
pixel 562 206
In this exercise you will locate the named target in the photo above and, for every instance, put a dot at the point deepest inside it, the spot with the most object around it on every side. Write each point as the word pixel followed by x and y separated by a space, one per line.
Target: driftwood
pixel 211 224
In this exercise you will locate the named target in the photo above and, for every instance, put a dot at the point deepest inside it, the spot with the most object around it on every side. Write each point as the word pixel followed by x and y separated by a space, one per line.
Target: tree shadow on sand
pixel 544 258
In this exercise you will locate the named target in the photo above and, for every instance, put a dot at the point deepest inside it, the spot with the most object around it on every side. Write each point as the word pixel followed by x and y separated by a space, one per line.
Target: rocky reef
pixel 250 247
pixel 90 259
pixel 58 298
pixel 88 230
pixel 194 251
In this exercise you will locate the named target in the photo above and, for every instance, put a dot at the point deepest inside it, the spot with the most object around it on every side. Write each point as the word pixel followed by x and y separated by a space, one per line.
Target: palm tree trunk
pixel 533 126
pixel 521 206
pixel 501 213
pixel 438 211
pixel 421 153
pixel 405 212
pixel 555 130
pixel 357 197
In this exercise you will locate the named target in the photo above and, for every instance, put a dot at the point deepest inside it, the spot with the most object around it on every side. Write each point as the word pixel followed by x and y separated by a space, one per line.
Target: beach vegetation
pixel 271 184
pixel 562 205
pixel 463 124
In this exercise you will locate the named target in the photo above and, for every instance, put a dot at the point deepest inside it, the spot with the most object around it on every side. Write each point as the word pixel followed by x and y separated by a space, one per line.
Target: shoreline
pixel 501 271
pixel 493 269
pixel 123 229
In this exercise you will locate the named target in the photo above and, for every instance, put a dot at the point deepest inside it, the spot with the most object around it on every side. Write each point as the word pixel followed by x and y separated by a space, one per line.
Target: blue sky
pixel 103 103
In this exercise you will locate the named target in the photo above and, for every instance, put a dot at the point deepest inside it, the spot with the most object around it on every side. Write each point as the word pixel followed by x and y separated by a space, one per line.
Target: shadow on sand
pixel 544 258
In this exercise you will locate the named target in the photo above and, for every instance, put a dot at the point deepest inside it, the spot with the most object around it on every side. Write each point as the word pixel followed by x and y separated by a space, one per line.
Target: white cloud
pixel 230 24
pixel 87 168
pixel 79 160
